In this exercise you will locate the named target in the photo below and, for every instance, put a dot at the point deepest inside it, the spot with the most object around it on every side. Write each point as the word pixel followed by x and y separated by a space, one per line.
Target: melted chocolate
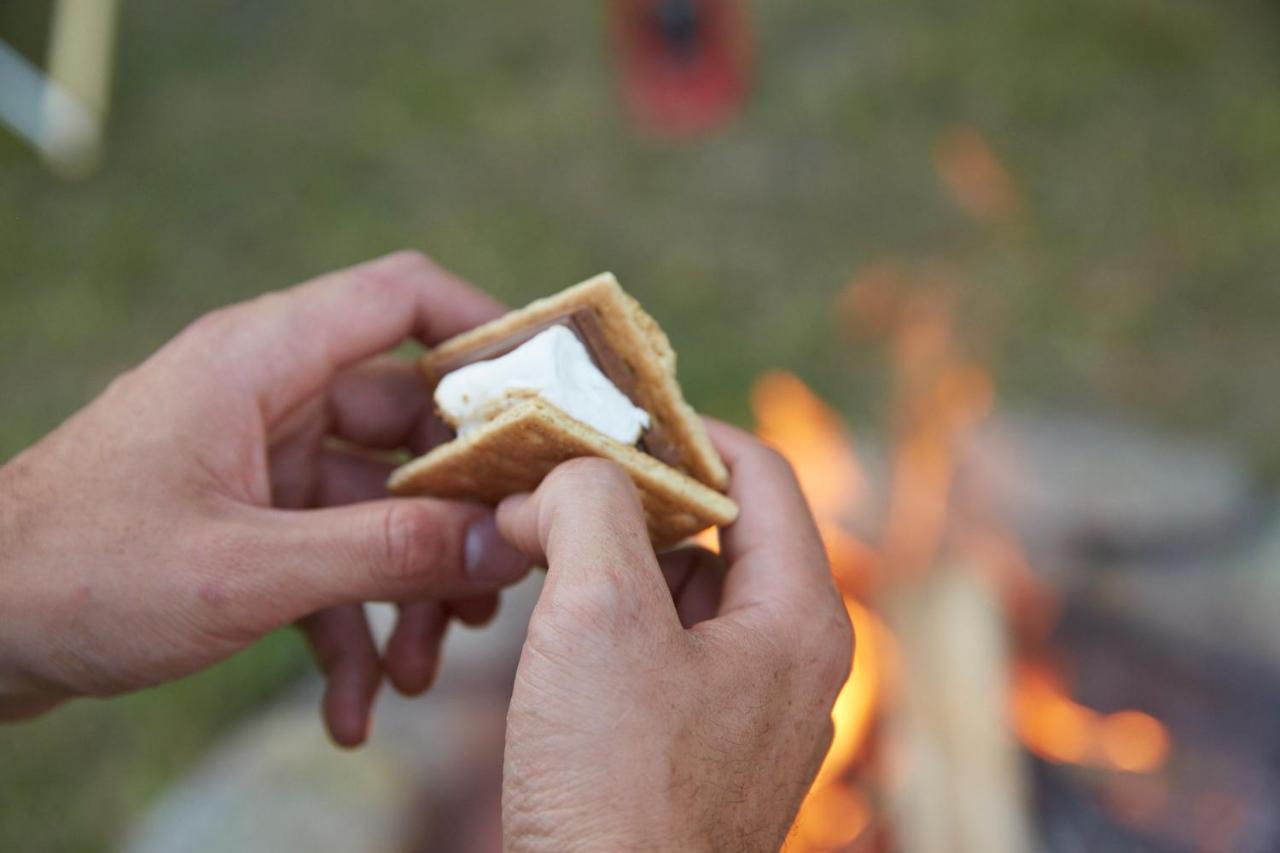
pixel 585 324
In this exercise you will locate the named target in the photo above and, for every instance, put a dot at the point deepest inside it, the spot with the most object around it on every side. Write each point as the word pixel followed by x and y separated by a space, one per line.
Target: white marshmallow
pixel 555 366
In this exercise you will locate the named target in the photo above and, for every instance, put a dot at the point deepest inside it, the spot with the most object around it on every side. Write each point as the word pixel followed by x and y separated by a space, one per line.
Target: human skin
pixel 673 703
pixel 228 486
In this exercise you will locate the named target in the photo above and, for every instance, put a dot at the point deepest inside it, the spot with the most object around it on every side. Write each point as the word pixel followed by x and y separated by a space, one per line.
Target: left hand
pixel 201 501
pixel 673 702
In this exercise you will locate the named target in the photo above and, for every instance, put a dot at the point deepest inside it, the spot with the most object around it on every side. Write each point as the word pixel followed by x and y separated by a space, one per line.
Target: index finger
pixel 773 550
pixel 285 346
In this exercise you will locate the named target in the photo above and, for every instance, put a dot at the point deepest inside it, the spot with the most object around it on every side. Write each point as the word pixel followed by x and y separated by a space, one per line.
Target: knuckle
pixel 411 259
pixel 768 460
pixel 212 326
pixel 206 340
pixel 780 649
pixel 771 454
pixel 773 459
pixel 372 280
pixel 124 384
pixel 270 301
pixel 826 735
pixel 384 278
pixel 412 544
pixel 834 655
pixel 823 647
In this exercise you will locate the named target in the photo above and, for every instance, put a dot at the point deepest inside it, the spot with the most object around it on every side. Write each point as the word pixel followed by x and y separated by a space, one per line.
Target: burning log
pixel 959 708
pixel 956 779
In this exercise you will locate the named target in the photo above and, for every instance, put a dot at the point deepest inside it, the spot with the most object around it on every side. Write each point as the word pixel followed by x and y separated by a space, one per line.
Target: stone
pixel 1082 489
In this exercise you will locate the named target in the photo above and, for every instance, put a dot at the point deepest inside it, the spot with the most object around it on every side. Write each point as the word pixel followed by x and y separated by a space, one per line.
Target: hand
pixel 173 521
pixel 667 703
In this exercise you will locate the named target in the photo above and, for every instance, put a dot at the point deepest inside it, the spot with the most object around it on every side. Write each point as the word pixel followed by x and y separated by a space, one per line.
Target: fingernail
pixel 489 559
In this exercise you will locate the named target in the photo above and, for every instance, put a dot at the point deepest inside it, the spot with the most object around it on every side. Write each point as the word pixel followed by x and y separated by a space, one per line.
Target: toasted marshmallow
pixel 553 365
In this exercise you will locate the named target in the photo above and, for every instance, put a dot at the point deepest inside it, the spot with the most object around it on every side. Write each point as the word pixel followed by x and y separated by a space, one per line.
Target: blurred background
pixel 1001 278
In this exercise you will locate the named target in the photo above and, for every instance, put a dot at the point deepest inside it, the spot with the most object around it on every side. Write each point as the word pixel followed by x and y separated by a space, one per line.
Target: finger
pixel 475 610
pixel 344 650
pixel 430 432
pixel 388 550
pixel 385 403
pixel 285 346
pixel 413 652
pixel 586 524
pixel 379 404
pixel 773 550
pixel 346 477
pixel 696 579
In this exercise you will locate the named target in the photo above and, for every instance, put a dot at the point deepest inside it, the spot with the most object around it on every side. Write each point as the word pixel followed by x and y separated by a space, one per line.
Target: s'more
pixel 585 372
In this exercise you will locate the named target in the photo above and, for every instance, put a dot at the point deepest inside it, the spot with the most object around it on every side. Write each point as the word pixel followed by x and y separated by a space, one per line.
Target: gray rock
pixel 1225 605
pixel 1075 486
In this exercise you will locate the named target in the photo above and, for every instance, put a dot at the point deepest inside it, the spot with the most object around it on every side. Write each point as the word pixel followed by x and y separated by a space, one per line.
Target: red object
pixel 684 63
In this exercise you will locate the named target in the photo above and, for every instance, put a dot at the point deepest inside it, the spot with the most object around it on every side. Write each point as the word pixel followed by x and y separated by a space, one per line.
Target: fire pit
pixel 1014 686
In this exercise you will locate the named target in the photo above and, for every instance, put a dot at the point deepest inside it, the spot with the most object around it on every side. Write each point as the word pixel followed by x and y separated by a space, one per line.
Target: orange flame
pixel 855 706
pixel 812 437
pixel 1134 741
pixel 832 818
pixel 979 183
pixel 1057 728
pixel 940 397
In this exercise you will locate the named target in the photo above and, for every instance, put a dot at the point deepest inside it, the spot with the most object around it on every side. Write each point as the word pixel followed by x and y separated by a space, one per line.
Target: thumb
pixel 386 550
pixel 586 524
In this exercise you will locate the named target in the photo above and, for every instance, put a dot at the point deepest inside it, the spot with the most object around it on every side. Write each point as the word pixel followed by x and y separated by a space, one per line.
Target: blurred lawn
pixel 255 144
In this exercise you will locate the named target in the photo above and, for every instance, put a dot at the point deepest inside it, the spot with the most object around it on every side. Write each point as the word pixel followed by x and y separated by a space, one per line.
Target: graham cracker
pixel 636 338
pixel 515 450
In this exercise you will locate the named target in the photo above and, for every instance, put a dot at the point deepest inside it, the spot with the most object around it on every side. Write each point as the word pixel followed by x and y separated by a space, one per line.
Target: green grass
pixel 255 144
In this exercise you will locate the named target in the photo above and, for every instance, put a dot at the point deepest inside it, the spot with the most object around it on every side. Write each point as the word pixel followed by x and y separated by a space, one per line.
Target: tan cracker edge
pixel 513 452
pixel 636 338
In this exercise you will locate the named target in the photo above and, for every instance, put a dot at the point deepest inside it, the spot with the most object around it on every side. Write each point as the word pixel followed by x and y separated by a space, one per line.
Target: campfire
pixel 1003 697
pixel 960 703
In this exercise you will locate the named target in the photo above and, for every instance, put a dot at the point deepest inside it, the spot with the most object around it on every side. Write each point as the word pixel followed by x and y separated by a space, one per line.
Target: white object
pixel 553 365
pixel 61 112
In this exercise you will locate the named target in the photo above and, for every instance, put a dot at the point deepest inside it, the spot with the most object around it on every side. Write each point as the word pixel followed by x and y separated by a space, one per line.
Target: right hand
pixel 666 703
pixel 231 485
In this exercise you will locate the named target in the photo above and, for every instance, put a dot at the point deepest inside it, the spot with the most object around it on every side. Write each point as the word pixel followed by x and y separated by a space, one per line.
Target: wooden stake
pixel 81 55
